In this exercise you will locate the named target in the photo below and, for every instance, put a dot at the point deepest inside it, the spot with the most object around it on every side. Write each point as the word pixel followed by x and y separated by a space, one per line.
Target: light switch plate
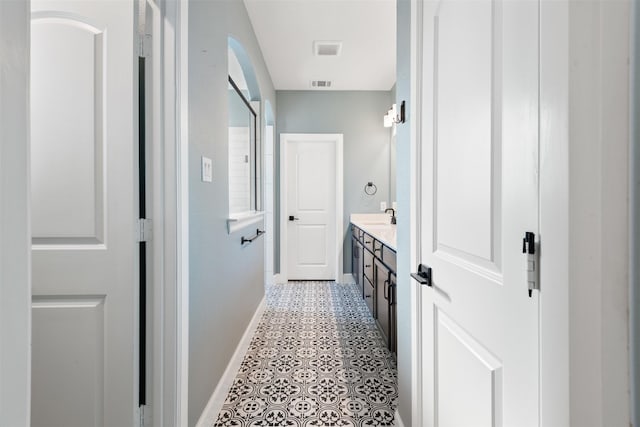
pixel 383 206
pixel 207 169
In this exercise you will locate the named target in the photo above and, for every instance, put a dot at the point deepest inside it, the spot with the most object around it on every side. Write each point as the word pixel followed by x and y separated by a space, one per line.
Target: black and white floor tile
pixel 316 359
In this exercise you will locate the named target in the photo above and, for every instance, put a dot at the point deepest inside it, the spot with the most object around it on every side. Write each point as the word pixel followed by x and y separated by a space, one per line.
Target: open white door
pixel 479 192
pixel 311 214
pixel 83 214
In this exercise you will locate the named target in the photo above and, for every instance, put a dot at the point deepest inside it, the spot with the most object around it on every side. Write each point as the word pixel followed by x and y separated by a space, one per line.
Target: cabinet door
pixel 382 301
pixel 355 256
pixel 393 313
pixel 361 266
pixel 369 241
pixel 368 265
pixel 389 258
pixel 370 295
pixel 355 231
pixel 356 264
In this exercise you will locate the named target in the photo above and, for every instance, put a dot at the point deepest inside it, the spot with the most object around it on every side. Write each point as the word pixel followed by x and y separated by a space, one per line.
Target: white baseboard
pixel 348 278
pixel 397 420
pixel 211 411
pixel 269 278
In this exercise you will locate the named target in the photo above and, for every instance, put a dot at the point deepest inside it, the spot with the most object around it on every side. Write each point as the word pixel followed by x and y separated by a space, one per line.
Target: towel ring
pixel 370 188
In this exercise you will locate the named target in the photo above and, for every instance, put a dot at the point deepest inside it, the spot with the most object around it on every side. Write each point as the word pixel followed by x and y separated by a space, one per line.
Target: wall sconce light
pixel 388 119
pixel 392 117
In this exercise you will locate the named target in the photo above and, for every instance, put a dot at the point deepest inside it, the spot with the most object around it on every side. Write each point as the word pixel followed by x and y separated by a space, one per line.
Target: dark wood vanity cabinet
pixel 373 265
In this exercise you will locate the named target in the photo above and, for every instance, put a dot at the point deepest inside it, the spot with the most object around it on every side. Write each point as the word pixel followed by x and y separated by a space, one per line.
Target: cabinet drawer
pixel 389 258
pixel 368 241
pixel 368 265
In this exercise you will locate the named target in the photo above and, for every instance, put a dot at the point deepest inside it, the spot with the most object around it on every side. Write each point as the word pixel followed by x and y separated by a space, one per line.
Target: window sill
pixel 236 222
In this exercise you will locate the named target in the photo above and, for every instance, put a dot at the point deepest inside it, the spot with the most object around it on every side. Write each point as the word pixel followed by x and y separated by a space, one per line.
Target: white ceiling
pixel 286 30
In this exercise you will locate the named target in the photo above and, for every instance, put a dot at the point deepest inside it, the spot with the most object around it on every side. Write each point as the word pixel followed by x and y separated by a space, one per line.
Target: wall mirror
pixel 244 141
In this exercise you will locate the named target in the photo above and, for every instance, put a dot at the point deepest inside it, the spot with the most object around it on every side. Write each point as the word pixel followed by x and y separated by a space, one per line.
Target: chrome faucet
pixel 393 214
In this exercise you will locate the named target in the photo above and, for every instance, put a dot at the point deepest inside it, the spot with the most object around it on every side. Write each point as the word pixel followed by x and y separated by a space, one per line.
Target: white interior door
pixel 311 205
pixel 83 192
pixel 479 327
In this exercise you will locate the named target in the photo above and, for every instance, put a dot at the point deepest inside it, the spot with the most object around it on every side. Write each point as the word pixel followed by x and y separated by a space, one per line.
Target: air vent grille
pixel 327 48
pixel 321 84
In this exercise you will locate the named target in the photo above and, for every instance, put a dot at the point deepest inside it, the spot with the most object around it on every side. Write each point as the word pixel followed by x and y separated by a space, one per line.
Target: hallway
pixel 316 359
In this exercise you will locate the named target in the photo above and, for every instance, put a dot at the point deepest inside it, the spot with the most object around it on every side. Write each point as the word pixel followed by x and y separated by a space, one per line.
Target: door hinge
pixel 531 249
pixel 144 228
pixel 144 45
pixel 143 414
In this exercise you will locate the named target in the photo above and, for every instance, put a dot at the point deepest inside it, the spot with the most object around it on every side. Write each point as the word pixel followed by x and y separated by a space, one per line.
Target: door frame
pixel 634 212
pixel 337 139
pixel 268 189
pixel 167 24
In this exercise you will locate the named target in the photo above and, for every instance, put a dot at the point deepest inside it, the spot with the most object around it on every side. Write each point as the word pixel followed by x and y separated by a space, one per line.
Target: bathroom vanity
pixel 373 264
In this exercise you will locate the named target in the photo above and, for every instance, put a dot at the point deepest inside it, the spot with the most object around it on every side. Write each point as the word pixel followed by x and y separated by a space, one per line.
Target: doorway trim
pixel 336 138
pixel 268 189
pixel 167 26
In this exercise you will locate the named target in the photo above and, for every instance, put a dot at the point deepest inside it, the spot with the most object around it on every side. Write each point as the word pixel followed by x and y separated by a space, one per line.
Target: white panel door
pixel 311 207
pixel 479 142
pixel 83 192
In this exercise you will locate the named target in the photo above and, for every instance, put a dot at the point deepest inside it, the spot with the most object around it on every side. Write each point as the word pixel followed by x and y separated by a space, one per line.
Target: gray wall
pixel 15 231
pixel 358 116
pixel 635 219
pixel 226 280
pixel 405 169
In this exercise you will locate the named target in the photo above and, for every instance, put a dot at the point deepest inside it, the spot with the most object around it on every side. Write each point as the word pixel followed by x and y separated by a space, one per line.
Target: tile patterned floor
pixel 316 359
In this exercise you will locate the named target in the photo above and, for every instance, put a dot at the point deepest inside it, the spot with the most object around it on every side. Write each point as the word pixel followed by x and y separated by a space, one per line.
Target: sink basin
pixel 377 225
pixel 386 233
pixel 366 219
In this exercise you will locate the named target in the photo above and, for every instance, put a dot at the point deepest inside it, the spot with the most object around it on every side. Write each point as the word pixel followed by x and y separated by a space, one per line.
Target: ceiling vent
pixel 327 48
pixel 321 84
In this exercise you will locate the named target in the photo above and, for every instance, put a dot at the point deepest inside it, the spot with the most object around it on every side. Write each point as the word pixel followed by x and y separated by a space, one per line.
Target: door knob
pixel 293 218
pixel 423 276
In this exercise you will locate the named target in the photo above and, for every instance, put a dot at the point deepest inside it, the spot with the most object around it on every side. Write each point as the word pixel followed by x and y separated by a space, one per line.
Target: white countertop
pixel 377 225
